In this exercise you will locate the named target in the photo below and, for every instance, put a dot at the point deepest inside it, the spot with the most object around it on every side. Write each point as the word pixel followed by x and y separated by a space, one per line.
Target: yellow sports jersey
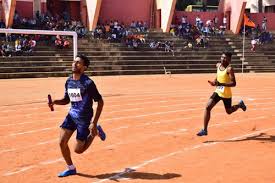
pixel 223 77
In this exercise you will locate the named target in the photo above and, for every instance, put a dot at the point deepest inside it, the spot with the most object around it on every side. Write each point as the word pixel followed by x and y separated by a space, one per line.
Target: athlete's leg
pixel 207 112
pixel 214 99
pixel 230 109
pixel 83 138
pixel 65 136
pixel 81 146
pixel 67 129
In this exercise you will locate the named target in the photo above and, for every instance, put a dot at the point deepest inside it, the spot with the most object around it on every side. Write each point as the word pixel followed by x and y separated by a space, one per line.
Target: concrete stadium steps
pixel 110 62
pixel 107 67
pixel 34 69
pixel 125 48
pixel 107 72
pixel 259 61
pixel 125 53
pixel 117 59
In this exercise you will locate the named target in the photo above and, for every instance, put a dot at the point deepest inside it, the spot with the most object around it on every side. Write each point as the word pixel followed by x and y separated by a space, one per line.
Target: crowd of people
pixel 133 35
pixel 114 31
pixel 23 45
pixel 198 35
pixel 50 22
pixel 259 34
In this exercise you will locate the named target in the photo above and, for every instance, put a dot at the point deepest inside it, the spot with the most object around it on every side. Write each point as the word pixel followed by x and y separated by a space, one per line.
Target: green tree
pixel 213 2
pixel 182 4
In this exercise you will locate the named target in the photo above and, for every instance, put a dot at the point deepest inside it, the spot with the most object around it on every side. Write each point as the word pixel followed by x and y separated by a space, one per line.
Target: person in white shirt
pixel 225 22
pixel 198 21
pixel 253 45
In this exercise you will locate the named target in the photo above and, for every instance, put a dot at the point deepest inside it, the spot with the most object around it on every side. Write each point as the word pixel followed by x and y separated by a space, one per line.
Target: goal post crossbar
pixel 44 32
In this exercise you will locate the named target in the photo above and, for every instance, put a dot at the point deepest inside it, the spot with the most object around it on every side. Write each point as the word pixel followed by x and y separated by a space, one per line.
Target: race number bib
pixel 220 89
pixel 74 94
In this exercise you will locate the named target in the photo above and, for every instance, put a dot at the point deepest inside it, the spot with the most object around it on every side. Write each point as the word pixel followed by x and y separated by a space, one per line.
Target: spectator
pixel 6 50
pixel 216 21
pixel 32 44
pixel 18 47
pixel 225 22
pixel 253 44
pixel 264 22
pixel 198 21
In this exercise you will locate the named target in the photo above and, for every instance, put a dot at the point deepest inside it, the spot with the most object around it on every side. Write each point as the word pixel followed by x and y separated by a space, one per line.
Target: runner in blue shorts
pixel 81 91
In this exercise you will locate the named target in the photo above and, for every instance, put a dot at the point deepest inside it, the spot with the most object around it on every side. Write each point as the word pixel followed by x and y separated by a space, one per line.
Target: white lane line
pixel 142 93
pixel 121 143
pixel 7 150
pixel 135 96
pixel 23 169
pixel 135 167
pixel 32 131
pixel 29 122
pixel 30 146
pixel 106 113
pixel 51 161
pixel 49 142
pixel 168 112
pixel 130 117
pixel 147 124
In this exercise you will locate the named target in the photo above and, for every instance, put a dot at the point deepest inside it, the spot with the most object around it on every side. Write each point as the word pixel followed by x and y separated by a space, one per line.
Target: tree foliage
pixel 182 4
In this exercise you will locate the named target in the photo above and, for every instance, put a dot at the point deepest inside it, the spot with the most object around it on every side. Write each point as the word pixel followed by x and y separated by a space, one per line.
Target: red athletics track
pixel 151 124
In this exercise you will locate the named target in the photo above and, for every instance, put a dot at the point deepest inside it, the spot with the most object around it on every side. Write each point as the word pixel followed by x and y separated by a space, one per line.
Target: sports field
pixel 151 124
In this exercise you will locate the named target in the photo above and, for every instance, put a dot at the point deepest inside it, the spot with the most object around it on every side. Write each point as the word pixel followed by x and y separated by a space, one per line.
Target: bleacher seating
pixel 117 59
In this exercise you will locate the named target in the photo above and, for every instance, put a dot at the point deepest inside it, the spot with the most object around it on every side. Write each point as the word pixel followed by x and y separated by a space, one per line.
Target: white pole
pixel 45 32
pixel 75 44
pixel 243 47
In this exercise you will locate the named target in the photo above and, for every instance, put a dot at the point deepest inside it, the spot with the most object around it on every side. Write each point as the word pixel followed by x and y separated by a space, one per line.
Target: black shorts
pixel 81 127
pixel 226 101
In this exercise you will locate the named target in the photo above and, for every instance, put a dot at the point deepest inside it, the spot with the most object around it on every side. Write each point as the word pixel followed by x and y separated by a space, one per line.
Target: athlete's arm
pixel 63 101
pixel 66 98
pixel 233 83
pixel 100 103
pixel 99 108
pixel 93 125
pixel 215 82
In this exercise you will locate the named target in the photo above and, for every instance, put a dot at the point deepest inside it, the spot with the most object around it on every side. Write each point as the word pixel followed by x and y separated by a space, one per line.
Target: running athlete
pixel 224 81
pixel 80 90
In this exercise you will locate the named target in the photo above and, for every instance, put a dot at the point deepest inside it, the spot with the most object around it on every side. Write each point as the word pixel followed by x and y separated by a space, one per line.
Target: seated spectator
pixel 152 44
pixel 32 44
pixel 18 47
pixel 172 31
pixel 66 44
pixel 169 47
pixel 135 43
pixel 1 50
pixel 58 42
pixel 189 45
pixel 6 50
pixel 253 45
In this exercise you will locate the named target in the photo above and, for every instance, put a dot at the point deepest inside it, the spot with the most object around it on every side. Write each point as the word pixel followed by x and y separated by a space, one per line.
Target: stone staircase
pixel 263 60
pixel 117 59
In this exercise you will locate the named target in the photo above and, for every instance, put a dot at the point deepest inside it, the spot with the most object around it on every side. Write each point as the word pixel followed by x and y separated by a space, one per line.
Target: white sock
pixel 71 167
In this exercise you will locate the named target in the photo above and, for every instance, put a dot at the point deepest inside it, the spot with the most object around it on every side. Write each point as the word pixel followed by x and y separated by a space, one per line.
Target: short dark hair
pixel 85 60
pixel 227 54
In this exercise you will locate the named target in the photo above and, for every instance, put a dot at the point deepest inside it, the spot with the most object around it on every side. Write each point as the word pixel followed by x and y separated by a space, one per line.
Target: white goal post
pixel 44 32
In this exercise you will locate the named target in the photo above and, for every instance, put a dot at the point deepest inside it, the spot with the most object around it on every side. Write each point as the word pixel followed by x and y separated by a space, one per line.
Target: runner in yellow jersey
pixel 224 81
